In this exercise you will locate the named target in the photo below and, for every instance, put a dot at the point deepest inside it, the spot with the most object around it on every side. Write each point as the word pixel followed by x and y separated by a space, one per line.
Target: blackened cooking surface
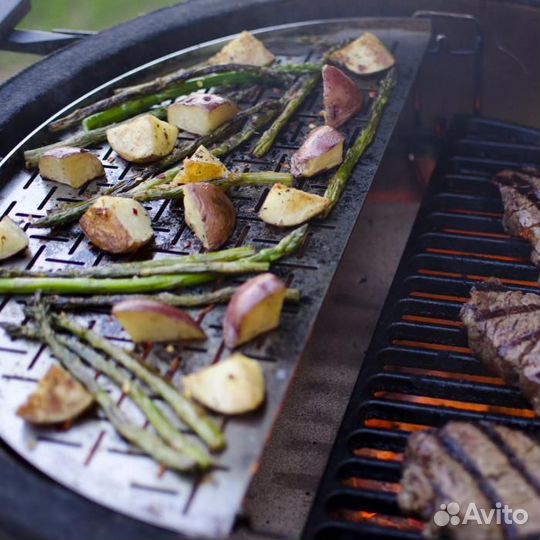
pixel 419 371
pixel 90 458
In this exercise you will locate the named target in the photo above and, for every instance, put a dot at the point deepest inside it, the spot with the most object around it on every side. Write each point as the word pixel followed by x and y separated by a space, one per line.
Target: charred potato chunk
pixel 143 139
pixel 12 238
pixel 152 321
pixel 201 113
pixel 117 224
pixel 322 150
pixel 366 55
pixel 285 206
pixel 254 308
pixel 72 166
pixel 342 97
pixel 245 49
pixel 234 386
pixel 201 167
pixel 209 213
pixel 57 398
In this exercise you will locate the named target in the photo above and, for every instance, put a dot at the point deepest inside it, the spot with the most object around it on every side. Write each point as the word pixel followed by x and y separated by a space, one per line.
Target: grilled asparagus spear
pixel 292 100
pixel 120 106
pixel 255 119
pixel 147 441
pixel 83 139
pixel 156 283
pixel 164 81
pixel 131 388
pixel 220 296
pixel 341 176
pixel 201 424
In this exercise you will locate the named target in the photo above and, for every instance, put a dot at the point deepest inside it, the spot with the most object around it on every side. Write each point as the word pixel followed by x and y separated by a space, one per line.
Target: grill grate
pixel 90 458
pixel 419 372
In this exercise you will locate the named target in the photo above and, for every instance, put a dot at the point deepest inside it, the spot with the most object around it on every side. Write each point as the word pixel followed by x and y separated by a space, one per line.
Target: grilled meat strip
pixel 504 332
pixel 466 463
pixel 520 192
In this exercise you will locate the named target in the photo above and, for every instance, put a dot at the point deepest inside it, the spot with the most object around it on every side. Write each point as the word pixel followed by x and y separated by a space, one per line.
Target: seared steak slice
pixel 520 192
pixel 504 332
pixel 464 463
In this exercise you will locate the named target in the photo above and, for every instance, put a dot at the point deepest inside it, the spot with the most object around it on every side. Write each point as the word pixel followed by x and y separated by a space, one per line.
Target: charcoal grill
pixel 90 459
pixel 419 372
pixel 357 495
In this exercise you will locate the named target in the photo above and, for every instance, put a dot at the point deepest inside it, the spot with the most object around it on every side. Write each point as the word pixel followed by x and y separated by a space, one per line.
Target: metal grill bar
pixel 90 458
pixel 419 372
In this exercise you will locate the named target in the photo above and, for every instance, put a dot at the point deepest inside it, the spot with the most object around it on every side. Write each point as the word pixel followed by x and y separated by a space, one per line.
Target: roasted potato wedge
pixel 254 308
pixel 12 238
pixel 322 150
pixel 286 206
pixel 365 56
pixel 201 113
pixel 152 321
pixel 72 166
pixel 233 386
pixel 143 139
pixel 117 224
pixel 201 167
pixel 209 213
pixel 342 97
pixel 58 397
pixel 245 49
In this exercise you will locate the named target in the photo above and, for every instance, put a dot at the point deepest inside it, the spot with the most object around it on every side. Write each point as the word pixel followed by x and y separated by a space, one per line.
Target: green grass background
pixel 74 15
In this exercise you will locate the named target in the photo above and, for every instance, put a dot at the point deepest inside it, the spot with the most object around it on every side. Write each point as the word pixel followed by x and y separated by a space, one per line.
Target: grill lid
pixel 90 458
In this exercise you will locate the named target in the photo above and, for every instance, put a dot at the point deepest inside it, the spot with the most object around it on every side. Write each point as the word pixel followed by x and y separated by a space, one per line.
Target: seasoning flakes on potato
pixel 201 113
pixel 322 150
pixel 286 206
pixel 209 213
pixel 117 224
pixel 202 166
pixel 245 49
pixel 366 55
pixel 255 308
pixel 234 386
pixel 58 397
pixel 143 139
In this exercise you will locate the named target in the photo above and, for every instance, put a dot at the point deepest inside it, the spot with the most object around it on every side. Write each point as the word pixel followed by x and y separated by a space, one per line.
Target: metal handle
pixel 441 45
pixel 29 41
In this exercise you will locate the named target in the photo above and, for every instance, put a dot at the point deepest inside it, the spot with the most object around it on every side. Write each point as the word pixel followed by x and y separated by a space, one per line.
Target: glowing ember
pixel 455 404
pixel 431 346
pixel 431 320
pixel 481 379
pixel 381 455
pixel 381 520
pixel 441 251
pixel 377 423
pixel 474 277
pixel 373 485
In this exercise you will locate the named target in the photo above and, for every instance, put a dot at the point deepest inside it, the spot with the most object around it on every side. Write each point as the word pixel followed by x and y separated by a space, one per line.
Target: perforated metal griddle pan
pixel 90 458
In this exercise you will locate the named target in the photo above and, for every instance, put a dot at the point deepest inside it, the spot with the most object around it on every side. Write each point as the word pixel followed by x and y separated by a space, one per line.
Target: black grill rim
pixel 319 523
pixel 32 96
